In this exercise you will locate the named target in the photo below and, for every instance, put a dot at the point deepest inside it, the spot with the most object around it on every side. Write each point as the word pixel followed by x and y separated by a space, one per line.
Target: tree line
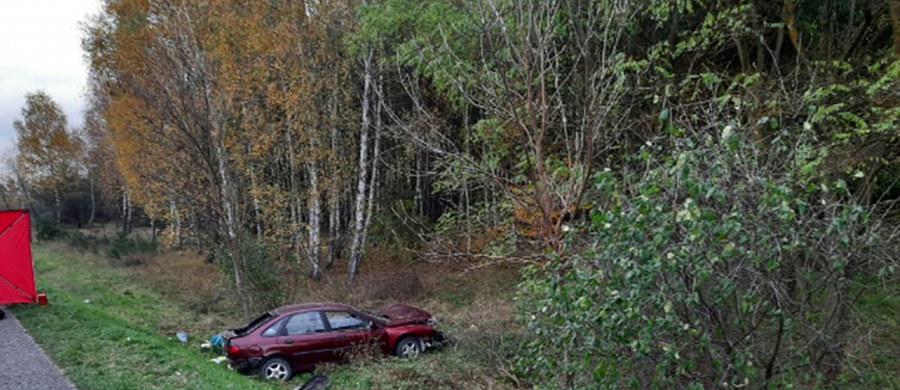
pixel 761 134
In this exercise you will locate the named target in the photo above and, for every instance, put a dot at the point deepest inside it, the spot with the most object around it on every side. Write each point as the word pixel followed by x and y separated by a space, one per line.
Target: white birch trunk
pixel 373 183
pixel 467 211
pixel 93 201
pixel 356 248
pixel 294 199
pixel 226 195
pixel 315 210
pixel 334 230
pixel 257 214
pixel 175 217
pixel 129 209
pixel 56 196
pixel 420 191
pixel 315 207
pixel 334 204
pixel 124 213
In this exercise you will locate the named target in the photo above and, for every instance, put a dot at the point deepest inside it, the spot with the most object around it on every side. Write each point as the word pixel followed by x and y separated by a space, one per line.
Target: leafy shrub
pixel 82 242
pixel 262 278
pixel 47 229
pixel 123 246
pixel 707 271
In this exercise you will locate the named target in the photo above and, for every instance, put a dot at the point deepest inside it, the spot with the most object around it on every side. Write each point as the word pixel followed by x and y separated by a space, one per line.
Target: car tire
pixel 275 368
pixel 409 347
pixel 2 314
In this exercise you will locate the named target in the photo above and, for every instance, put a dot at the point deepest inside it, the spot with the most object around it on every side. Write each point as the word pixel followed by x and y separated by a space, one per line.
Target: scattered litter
pixel 206 345
pixel 128 338
pixel 218 360
pixel 182 336
pixel 87 301
pixel 319 381
pixel 217 340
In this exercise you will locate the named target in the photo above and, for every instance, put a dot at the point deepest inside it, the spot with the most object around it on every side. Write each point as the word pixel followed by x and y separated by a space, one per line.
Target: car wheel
pixel 408 347
pixel 275 369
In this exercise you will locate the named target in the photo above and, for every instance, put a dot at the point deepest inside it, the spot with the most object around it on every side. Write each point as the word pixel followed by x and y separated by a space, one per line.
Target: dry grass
pixel 194 283
pixel 475 308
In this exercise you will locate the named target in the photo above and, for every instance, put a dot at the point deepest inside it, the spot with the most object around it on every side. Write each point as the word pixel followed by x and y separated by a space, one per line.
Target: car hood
pixel 404 314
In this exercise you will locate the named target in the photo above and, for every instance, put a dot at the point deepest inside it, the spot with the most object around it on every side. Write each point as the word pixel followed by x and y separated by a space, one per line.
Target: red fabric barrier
pixel 16 265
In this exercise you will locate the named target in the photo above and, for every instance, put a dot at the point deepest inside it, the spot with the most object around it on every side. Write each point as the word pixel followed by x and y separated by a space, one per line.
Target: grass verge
pixel 102 329
pixel 112 327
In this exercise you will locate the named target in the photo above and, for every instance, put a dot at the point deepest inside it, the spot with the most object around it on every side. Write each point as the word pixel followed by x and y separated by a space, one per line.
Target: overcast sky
pixel 40 48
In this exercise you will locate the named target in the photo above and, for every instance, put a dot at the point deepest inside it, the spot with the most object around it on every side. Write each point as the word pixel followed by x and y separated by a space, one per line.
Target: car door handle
pixel 288 341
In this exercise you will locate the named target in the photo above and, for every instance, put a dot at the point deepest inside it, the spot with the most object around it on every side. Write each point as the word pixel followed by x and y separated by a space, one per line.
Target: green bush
pixel 80 241
pixel 262 279
pixel 47 229
pixel 704 271
pixel 123 245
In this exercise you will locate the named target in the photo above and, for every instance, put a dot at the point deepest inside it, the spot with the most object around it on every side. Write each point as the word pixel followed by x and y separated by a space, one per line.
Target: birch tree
pixel 48 151
pixel 359 217
pixel 545 80
pixel 166 98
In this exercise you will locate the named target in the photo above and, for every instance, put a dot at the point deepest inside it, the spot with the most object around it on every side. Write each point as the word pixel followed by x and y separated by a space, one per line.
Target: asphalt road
pixel 23 365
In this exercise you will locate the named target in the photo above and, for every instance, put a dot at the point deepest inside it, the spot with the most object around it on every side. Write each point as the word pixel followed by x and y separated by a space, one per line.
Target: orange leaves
pixel 227 106
pixel 790 20
pixel 142 159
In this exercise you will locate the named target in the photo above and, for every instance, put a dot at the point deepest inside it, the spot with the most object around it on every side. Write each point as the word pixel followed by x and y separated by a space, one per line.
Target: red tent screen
pixel 16 266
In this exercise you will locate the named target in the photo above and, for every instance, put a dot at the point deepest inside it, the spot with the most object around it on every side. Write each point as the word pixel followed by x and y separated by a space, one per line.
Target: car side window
pixel 341 320
pixel 273 330
pixel 309 322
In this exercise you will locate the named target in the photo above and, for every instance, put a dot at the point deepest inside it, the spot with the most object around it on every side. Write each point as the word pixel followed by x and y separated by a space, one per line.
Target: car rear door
pixel 353 333
pixel 306 339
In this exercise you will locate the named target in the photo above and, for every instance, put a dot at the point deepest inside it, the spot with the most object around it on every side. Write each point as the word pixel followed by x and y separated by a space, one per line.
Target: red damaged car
pixel 297 337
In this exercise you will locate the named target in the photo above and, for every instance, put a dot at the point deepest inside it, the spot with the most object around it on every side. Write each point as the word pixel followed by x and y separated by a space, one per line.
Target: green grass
pixel 875 362
pixel 123 338
pixel 114 341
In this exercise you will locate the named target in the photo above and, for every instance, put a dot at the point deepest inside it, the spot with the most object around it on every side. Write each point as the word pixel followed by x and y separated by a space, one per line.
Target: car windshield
pixel 378 316
pixel 254 324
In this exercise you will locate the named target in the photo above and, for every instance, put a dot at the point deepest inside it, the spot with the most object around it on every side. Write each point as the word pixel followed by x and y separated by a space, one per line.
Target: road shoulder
pixel 24 364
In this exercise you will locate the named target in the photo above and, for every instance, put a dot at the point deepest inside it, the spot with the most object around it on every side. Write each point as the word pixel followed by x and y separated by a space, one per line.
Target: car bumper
pixel 435 341
pixel 244 365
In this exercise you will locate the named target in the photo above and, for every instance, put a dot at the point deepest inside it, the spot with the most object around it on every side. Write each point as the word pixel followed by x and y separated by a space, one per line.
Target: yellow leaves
pixel 144 158
pixel 48 152
pixel 265 79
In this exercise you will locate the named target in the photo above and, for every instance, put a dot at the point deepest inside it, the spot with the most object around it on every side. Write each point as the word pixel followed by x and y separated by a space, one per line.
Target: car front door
pixel 353 333
pixel 306 340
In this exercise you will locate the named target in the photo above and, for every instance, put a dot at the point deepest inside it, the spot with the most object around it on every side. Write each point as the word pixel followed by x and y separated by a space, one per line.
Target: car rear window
pixel 254 324
pixel 273 330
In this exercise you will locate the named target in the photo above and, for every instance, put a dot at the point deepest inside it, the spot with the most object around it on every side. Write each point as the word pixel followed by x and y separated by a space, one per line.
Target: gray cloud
pixel 41 42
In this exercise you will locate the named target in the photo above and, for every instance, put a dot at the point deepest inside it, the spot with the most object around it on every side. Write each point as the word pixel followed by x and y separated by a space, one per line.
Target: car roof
pixel 313 306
